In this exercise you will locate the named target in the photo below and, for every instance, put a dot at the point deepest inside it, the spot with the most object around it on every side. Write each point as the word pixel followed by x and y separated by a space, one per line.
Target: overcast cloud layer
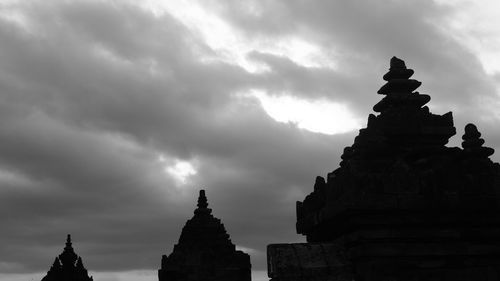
pixel 113 114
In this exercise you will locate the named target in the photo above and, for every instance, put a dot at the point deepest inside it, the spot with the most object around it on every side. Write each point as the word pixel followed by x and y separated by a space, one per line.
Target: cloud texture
pixel 98 99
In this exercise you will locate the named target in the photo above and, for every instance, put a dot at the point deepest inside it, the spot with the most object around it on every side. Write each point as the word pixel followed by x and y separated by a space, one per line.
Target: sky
pixel 114 114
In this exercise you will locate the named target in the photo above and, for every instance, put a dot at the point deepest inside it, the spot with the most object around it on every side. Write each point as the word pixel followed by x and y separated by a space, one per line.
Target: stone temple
pixel 402 206
pixel 205 252
pixel 68 266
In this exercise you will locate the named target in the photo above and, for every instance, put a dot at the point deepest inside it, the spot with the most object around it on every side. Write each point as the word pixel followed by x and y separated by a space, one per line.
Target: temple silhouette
pixel 402 206
pixel 205 252
pixel 68 266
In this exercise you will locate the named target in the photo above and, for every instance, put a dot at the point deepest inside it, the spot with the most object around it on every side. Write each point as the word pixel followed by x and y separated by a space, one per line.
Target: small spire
pixel 473 143
pixel 202 204
pixel 202 200
pixel 68 241
pixel 69 246
pixel 68 256
pixel 68 266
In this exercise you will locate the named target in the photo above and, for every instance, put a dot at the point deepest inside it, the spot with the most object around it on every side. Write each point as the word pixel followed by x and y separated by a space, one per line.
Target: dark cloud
pixel 93 93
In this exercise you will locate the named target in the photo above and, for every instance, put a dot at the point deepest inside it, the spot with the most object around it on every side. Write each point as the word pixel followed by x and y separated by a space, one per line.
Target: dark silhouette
pixel 402 206
pixel 205 252
pixel 68 266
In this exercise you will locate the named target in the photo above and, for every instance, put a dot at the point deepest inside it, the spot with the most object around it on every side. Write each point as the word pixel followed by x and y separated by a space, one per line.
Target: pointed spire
pixel 68 256
pixel 202 204
pixel 202 200
pixel 67 266
pixel 204 251
pixel 68 242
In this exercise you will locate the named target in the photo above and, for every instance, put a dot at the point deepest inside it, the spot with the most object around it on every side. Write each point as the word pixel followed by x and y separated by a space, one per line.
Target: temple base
pixel 397 247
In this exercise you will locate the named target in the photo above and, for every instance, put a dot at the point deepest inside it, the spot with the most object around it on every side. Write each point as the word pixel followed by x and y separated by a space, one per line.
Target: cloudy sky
pixel 113 114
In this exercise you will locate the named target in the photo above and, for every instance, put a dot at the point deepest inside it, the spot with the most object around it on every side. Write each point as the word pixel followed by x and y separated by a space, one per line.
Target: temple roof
pixel 203 229
pixel 67 266
pixel 205 250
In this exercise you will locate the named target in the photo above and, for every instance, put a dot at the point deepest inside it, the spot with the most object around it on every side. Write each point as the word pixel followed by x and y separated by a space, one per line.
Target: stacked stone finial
pixel 204 251
pixel 68 266
pixel 398 78
pixel 399 88
pixel 202 200
pixel 404 124
pixel 202 204
pixel 473 143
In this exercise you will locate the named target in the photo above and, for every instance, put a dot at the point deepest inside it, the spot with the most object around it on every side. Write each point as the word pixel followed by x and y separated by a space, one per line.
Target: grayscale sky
pixel 113 114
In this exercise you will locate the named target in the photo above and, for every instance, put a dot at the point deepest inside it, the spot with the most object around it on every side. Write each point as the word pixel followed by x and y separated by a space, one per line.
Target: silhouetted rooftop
pixel 68 266
pixel 205 251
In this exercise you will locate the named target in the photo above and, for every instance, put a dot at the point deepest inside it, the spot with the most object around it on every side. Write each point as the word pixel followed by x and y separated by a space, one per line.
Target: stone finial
pixel 473 143
pixel 68 256
pixel 398 79
pixel 397 63
pixel 202 204
pixel 398 70
pixel 202 200
pixel 68 241
pixel 399 91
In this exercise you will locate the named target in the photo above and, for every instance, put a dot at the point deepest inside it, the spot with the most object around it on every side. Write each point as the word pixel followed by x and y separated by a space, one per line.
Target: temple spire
pixel 68 242
pixel 68 256
pixel 202 200
pixel 202 204
pixel 205 251
pixel 68 266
